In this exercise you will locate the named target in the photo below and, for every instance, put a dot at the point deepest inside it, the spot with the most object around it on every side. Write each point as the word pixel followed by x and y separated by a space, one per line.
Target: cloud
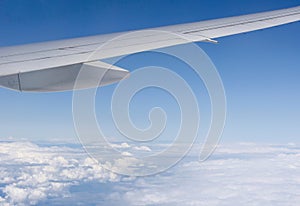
pixel 31 173
pixel 123 145
pixel 238 174
pixel 126 154
pixel 142 148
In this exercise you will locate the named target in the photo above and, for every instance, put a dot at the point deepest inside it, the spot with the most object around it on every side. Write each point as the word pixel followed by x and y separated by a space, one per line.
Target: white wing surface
pixel 53 66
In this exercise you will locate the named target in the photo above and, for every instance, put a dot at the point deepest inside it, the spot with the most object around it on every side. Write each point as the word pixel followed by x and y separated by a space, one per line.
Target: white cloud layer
pixel 30 174
pixel 240 174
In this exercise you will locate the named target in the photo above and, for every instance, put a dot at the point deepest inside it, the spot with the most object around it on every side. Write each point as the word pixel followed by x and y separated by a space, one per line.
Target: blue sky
pixel 260 70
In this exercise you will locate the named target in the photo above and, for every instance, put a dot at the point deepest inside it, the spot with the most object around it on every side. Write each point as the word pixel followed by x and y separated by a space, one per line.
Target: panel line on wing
pixel 85 52
pixel 19 80
pixel 239 23
pixel 73 47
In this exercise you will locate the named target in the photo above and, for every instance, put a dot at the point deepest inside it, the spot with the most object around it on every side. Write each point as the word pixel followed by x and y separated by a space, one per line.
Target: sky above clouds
pixel 259 70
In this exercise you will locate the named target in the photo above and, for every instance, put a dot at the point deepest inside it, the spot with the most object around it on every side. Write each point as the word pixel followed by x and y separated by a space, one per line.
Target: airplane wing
pixel 54 66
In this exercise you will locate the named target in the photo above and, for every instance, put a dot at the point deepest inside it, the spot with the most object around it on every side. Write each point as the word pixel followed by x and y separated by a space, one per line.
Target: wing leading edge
pixel 54 66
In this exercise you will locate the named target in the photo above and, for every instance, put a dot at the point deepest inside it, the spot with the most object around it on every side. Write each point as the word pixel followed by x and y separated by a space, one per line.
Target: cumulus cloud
pixel 239 174
pixel 31 173
pixel 126 154
pixel 142 148
pixel 123 145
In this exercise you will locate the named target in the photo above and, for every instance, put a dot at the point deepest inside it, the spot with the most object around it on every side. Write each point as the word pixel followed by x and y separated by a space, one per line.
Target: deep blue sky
pixel 260 70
